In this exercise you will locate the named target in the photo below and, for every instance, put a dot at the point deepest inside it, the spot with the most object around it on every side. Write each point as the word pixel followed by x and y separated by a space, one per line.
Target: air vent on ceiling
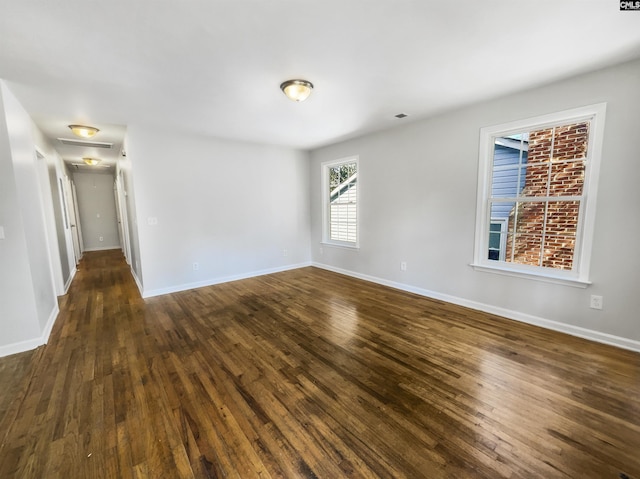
pixel 86 144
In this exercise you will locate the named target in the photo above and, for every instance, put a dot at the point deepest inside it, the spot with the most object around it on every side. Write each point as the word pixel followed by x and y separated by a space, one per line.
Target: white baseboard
pixel 68 283
pixel 224 279
pixel 590 334
pixel 102 248
pixel 30 344
pixel 19 347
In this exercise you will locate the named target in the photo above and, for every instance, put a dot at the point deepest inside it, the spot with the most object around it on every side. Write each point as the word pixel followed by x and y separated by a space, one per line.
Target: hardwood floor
pixel 14 372
pixel 310 374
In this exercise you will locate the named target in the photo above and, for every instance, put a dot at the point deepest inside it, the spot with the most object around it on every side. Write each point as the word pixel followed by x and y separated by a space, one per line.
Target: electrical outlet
pixel 596 302
pixel 321 251
pixel 196 266
pixel 101 238
pixel 285 252
pixel 403 266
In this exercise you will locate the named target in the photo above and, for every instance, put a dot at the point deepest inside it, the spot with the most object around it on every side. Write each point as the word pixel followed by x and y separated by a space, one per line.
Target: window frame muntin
pixel 579 274
pixel 326 202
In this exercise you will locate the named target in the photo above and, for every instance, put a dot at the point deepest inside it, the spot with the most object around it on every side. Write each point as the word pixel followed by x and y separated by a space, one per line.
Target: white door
pixel 73 219
pixel 48 220
pixel 123 222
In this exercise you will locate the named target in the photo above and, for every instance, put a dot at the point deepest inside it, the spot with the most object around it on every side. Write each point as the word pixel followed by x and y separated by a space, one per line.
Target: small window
pixel 497 243
pixel 340 192
pixel 536 195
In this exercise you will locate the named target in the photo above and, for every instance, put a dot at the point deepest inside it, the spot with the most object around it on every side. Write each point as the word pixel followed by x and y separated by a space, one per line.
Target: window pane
pixel 505 183
pixel 343 181
pixel 567 178
pixel 562 218
pixel 508 152
pixel 494 240
pixel 558 251
pixel 334 177
pixel 527 222
pixel 528 217
pixel 500 211
pixel 524 249
pixel 536 179
pixel 540 145
pixel 571 141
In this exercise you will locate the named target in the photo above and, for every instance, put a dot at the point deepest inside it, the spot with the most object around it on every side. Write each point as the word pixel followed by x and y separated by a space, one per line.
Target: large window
pixel 340 193
pixel 536 195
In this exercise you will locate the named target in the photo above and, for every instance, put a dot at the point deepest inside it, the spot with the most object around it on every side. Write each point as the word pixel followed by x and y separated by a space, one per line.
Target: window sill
pixel 340 245
pixel 531 275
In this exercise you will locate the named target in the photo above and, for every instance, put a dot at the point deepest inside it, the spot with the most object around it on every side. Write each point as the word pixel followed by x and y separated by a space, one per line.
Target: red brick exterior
pixel 562 172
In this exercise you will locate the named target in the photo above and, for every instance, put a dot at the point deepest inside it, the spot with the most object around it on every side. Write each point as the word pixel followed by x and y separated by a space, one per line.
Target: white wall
pixel 97 207
pixel 125 172
pixel 418 201
pixel 233 208
pixel 56 176
pixel 28 305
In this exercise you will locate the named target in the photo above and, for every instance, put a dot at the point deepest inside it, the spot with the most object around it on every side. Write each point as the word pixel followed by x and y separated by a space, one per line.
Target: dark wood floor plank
pixel 309 374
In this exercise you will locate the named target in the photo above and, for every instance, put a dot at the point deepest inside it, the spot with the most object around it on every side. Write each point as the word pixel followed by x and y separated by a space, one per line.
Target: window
pixel 340 193
pixel 537 193
pixel 497 237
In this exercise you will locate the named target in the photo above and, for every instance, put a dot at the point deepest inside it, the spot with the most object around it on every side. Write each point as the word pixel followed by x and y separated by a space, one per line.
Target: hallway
pixel 310 374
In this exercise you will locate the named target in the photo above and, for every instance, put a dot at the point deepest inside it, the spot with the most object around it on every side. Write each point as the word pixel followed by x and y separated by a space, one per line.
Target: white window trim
pixel 326 236
pixel 579 276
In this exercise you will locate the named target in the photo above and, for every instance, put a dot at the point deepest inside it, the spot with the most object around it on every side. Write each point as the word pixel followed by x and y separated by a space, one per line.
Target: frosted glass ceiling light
pixel 91 161
pixel 297 90
pixel 83 131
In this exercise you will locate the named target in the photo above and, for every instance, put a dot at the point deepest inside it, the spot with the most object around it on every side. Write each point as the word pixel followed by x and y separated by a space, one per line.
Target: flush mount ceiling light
pixel 91 161
pixel 83 131
pixel 297 90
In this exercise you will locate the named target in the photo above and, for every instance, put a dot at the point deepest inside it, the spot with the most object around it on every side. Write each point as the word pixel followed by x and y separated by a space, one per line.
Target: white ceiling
pixel 214 67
